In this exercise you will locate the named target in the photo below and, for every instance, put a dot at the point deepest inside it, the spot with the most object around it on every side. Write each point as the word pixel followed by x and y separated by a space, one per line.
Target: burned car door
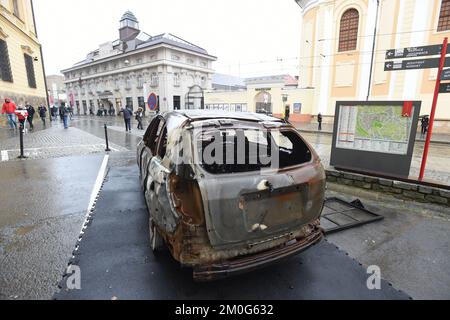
pixel 147 148
pixel 157 193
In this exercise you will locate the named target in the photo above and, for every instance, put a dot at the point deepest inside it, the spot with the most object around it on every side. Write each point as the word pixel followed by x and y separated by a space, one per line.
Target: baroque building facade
pixel 125 72
pixel 21 67
pixel 343 58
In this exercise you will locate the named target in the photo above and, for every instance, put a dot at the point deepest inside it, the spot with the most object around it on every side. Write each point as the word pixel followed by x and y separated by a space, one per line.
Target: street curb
pixel 407 191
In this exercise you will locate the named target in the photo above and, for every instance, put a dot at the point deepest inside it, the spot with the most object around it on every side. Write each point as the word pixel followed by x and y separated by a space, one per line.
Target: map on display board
pixel 374 128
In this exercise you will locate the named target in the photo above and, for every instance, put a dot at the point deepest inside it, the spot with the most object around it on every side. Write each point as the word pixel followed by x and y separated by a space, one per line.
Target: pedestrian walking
pixel 65 113
pixel 61 112
pixel 42 113
pixel 127 113
pixel 71 112
pixel 287 112
pixel 139 114
pixel 31 111
pixel 9 108
pixel 425 123
pixel 319 120
pixel 54 113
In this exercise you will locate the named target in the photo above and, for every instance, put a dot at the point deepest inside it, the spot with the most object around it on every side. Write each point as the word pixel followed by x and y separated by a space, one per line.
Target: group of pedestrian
pixel 26 114
pixel 23 114
pixel 127 113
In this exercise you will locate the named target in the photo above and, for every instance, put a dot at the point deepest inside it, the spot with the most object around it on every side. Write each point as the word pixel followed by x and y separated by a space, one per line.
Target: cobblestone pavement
pixel 53 142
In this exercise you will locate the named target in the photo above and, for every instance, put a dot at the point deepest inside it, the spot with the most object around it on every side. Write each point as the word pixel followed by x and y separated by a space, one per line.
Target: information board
pixel 375 136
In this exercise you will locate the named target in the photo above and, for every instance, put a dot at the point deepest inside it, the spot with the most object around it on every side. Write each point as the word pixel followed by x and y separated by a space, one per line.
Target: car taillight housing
pixel 187 199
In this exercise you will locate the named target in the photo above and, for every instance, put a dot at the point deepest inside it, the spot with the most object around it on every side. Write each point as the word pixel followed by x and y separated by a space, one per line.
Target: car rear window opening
pixel 245 150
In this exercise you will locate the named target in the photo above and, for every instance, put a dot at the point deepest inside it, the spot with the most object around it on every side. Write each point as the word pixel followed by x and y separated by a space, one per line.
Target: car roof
pixel 200 115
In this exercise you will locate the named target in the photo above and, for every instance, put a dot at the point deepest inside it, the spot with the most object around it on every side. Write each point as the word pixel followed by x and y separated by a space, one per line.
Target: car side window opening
pixel 162 145
pixel 154 133
pixel 291 149
pixel 150 130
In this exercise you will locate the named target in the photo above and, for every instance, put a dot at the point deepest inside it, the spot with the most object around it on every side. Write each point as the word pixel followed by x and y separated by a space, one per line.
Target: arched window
pixel 444 17
pixel 348 33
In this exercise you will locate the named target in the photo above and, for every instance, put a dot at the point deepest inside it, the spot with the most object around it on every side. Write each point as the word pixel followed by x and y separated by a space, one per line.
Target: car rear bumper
pixel 240 265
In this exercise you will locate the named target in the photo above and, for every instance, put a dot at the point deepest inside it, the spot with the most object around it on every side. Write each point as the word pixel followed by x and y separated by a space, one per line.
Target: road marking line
pixel 4 154
pixel 96 189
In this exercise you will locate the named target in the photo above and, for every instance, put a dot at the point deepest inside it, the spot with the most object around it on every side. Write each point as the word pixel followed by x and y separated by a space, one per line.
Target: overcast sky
pixel 251 33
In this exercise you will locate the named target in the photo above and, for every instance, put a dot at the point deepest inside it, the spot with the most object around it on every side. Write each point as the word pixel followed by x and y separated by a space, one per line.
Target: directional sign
pixel 414 52
pixel 445 74
pixel 414 64
pixel 444 88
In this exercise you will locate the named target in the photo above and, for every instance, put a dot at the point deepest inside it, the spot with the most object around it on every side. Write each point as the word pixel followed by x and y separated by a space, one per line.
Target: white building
pixel 126 71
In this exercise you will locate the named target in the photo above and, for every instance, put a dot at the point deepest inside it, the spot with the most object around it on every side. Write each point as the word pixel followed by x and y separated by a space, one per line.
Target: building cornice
pixel 127 54
pixel 161 62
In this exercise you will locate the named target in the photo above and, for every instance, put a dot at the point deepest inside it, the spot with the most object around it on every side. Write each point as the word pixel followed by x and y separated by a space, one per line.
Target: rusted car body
pixel 226 217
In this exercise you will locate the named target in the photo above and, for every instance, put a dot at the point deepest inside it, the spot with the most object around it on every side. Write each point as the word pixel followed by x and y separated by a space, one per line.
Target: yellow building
pixel 21 69
pixel 267 94
pixel 341 59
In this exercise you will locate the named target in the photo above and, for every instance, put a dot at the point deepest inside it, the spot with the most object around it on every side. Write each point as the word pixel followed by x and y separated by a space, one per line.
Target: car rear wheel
pixel 156 241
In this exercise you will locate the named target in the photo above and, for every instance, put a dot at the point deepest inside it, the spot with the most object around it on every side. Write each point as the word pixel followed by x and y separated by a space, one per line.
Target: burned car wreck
pixel 229 192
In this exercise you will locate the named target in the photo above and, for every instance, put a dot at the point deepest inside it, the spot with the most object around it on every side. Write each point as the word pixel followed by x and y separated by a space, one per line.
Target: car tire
pixel 156 241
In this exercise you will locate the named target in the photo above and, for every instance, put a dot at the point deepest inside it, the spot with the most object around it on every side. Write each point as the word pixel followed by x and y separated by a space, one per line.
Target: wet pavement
pixel 44 203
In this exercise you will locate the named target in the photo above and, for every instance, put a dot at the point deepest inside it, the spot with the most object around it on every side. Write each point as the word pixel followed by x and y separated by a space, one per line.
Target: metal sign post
pixel 433 108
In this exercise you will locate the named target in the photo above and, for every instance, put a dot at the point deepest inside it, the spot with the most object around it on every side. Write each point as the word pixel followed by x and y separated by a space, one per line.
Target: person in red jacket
pixel 10 108
pixel 22 115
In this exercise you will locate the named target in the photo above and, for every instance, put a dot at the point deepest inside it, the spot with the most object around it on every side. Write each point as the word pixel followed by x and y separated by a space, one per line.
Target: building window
pixel 154 79
pixel 16 8
pixel 128 83
pixel 348 33
pixel 176 103
pixel 444 17
pixel 140 81
pixel 176 79
pixel 141 103
pixel 5 67
pixel 30 71
pixel 129 102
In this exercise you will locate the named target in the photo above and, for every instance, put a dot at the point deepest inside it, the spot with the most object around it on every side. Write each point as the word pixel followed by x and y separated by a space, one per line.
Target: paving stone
pixel 385 182
pixel 444 193
pixel 425 190
pixel 437 199
pixel 414 195
pixel 362 184
pixel 352 176
pixel 405 186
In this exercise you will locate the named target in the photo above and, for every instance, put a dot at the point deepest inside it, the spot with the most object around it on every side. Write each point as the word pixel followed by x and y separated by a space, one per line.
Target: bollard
pixel 22 155
pixel 106 138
